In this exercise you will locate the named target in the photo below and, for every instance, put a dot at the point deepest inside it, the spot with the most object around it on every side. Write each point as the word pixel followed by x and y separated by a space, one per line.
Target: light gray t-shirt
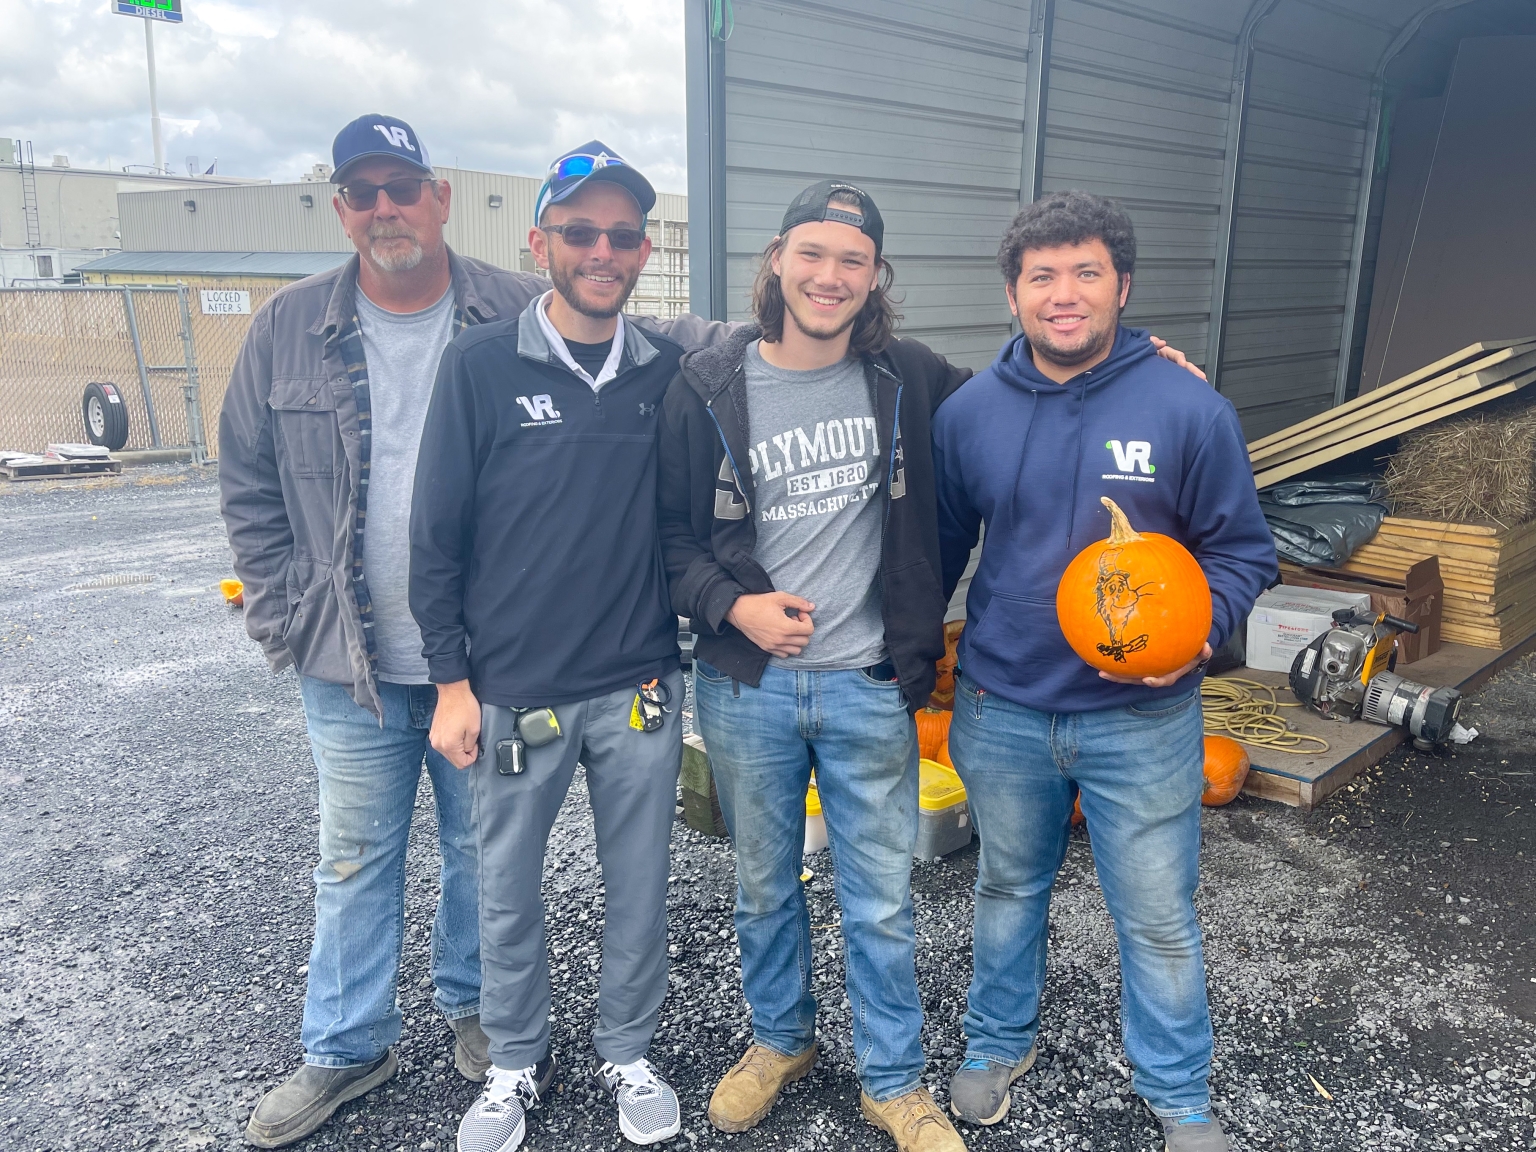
pixel 402 351
pixel 815 464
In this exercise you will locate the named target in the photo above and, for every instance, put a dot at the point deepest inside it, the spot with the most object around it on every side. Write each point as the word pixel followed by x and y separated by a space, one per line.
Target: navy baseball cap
pixel 594 160
pixel 377 135
pixel 815 203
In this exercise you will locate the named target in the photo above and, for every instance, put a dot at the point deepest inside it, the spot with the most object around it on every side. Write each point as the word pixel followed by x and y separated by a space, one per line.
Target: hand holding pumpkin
pixel 1162 681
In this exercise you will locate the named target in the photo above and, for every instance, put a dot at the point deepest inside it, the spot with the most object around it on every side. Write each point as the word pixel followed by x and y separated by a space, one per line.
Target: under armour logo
pixel 647 409
pixel 396 136
pixel 539 408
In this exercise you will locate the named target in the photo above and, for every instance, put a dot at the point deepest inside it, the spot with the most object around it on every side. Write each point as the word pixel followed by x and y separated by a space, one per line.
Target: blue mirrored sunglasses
pixel 570 166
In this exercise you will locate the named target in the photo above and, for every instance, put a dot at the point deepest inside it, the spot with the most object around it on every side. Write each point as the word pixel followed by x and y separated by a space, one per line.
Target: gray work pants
pixel 632 782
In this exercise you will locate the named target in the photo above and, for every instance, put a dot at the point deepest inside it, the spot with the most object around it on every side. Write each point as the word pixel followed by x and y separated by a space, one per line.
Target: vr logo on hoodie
pixel 1133 455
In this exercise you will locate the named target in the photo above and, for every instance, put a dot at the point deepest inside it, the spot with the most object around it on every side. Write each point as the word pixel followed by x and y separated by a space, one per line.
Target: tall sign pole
pixel 154 97
pixel 149 11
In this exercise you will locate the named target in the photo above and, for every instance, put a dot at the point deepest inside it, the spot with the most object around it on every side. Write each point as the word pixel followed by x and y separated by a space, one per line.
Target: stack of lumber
pixel 1489 570
pixel 1466 379
pixel 1489 575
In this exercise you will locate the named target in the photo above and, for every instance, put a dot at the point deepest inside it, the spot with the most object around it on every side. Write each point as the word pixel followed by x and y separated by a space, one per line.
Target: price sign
pixel 226 302
pixel 167 10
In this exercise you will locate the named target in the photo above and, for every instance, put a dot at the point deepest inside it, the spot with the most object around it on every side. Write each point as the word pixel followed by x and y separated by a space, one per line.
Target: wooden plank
pixel 1419 376
pixel 1339 451
pixel 1428 396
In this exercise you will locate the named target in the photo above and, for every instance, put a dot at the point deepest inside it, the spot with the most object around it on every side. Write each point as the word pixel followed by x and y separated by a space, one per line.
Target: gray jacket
pixel 291 451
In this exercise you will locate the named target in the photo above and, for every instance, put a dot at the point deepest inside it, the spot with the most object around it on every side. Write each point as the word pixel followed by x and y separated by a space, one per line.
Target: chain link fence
pixel 170 363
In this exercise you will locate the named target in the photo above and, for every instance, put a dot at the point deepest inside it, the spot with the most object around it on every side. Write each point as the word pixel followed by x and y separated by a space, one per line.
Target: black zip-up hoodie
pixel 535 568
pixel 707 513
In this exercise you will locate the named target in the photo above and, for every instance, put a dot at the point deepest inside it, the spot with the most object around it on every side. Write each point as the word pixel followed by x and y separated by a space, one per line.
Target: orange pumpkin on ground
pixel 932 732
pixel 1226 767
pixel 943 694
pixel 1077 810
pixel 1134 605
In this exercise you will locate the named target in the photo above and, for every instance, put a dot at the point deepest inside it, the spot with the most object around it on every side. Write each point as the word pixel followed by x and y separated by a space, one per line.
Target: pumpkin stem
pixel 1120 530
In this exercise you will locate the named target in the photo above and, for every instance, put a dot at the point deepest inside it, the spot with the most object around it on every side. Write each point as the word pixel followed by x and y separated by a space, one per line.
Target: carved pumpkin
pixel 932 732
pixel 1226 767
pixel 1134 605
pixel 943 695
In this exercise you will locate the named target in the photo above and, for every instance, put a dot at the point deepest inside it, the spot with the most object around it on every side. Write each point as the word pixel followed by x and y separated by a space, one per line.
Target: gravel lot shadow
pixel 1372 965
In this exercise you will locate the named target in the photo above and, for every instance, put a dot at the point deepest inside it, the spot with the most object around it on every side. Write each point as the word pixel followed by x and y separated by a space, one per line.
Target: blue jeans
pixel 1140 774
pixel 368 779
pixel 760 742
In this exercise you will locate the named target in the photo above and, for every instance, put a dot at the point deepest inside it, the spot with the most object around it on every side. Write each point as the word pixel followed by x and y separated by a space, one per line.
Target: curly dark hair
pixel 1062 218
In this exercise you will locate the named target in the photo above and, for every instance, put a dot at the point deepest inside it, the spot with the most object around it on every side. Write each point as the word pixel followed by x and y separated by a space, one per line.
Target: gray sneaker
pixel 978 1091
pixel 305 1100
pixel 1199 1133
pixel 471 1049
pixel 497 1121
pixel 648 1108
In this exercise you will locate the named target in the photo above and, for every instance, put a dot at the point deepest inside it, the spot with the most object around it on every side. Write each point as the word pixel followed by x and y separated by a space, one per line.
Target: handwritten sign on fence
pixel 226 302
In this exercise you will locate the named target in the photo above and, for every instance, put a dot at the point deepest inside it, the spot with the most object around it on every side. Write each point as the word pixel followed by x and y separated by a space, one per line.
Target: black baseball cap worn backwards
pixel 377 135
pixel 815 204
pixel 593 160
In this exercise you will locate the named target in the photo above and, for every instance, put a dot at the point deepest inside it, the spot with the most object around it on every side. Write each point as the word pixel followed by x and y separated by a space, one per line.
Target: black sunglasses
pixel 404 192
pixel 585 236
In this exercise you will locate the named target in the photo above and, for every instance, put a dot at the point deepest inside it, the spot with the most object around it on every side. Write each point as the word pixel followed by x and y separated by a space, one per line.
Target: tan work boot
pixel 914 1121
pixel 746 1093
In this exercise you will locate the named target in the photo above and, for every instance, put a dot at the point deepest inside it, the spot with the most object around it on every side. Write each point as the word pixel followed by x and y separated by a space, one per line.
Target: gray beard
pixel 397 261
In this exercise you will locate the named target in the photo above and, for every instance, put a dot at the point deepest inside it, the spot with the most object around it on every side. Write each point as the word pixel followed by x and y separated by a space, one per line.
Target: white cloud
pixel 265 85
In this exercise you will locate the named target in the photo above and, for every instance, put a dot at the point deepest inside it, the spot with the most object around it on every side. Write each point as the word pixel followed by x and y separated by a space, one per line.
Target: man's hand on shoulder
pixel 777 622
pixel 1174 356
pixel 456 724
pixel 1162 681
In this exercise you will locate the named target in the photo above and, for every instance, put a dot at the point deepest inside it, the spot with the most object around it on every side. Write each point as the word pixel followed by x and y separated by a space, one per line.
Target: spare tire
pixel 106 416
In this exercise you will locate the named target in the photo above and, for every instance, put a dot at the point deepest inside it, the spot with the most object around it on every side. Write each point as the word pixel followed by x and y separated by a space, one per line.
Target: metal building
pixel 490 219
pixel 1244 137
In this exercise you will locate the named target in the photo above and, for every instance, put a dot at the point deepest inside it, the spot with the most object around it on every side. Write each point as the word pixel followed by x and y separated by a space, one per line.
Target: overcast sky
pixel 263 85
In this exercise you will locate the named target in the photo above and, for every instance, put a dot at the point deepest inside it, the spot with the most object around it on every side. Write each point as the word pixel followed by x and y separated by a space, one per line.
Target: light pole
pixel 149 11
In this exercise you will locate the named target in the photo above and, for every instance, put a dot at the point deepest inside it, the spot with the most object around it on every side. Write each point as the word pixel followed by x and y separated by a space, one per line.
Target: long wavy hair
pixel 873 328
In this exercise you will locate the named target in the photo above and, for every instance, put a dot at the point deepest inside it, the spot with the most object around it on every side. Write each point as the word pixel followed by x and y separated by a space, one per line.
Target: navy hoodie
pixel 1031 458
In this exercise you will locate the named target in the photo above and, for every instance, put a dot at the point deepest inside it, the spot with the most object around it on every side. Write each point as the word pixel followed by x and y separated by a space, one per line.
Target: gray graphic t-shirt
pixel 815 465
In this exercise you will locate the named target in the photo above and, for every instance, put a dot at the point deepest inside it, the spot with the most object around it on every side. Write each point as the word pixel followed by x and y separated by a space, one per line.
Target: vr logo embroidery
pixel 396 136
pixel 541 408
pixel 1131 458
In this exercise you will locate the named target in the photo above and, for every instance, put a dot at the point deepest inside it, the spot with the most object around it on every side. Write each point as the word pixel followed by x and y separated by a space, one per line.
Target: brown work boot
pixel 746 1093
pixel 914 1121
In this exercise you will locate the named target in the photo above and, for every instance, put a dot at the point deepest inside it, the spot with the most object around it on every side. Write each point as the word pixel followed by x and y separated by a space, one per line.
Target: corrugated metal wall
pixel 1309 116
pixel 923 105
pixel 1236 133
pixel 1137 109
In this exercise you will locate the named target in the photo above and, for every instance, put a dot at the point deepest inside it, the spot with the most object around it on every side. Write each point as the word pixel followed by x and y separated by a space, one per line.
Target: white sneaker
pixel 497 1121
pixel 648 1108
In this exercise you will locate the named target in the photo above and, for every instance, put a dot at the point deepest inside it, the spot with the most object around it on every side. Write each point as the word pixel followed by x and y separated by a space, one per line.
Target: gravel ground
pixel 1372 966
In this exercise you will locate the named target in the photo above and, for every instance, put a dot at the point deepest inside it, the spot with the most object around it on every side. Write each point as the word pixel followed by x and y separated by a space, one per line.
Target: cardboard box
pixel 1419 599
pixel 1285 620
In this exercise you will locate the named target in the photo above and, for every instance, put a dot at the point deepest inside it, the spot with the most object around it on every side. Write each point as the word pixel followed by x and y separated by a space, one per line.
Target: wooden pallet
pixel 1489 574
pixel 48 468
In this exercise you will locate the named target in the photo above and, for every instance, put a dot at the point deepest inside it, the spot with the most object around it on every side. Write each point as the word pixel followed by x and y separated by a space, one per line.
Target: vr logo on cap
pixel 396 136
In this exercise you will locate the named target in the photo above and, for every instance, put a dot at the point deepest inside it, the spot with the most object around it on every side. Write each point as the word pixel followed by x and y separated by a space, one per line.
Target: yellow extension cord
pixel 1234 708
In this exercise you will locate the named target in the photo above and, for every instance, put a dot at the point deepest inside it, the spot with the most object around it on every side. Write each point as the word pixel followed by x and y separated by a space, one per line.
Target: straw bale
pixel 1476 468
